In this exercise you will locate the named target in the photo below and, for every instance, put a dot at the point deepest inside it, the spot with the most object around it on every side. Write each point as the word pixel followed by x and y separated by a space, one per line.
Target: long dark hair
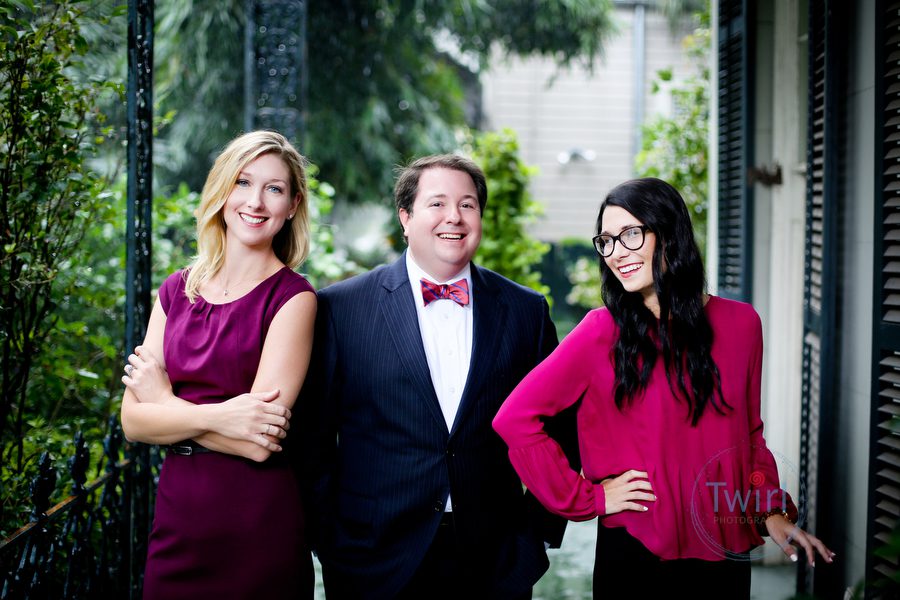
pixel 682 333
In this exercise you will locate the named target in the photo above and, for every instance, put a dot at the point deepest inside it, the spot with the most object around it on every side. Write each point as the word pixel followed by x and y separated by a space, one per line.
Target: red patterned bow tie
pixel 458 291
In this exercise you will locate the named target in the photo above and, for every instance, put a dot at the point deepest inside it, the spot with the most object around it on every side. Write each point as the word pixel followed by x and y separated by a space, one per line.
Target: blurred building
pixel 579 128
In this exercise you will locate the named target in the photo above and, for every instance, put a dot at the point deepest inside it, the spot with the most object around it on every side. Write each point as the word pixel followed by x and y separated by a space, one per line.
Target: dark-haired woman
pixel 672 449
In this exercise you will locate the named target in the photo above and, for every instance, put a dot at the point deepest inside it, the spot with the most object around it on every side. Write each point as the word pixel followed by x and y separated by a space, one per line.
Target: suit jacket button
pixel 438 505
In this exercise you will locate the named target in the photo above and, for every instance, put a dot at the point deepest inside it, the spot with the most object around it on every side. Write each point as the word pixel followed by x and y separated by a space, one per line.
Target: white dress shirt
pixel 446 329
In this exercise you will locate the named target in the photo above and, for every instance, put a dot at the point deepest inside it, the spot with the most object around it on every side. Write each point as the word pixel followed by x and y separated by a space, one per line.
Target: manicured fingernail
pixel 793 558
pixel 645 508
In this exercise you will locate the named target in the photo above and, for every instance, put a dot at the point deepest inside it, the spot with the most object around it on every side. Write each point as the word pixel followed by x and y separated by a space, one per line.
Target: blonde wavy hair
pixel 291 244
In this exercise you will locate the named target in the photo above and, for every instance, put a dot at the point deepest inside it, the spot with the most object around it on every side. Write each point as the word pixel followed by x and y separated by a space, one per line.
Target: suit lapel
pixel 488 325
pixel 399 310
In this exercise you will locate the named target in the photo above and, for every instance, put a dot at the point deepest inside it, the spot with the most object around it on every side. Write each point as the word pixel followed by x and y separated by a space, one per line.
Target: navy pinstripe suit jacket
pixel 380 459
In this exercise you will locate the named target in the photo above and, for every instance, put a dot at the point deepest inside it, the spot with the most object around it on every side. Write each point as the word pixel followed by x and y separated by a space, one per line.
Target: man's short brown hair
pixel 408 181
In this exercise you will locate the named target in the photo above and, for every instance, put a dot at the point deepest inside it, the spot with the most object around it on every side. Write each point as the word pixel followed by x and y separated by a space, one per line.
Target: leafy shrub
pixel 506 246
pixel 325 264
pixel 676 148
pixel 49 196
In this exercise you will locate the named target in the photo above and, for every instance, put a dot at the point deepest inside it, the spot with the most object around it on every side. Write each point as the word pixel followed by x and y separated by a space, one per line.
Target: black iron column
pixel 275 67
pixel 138 265
pixel 140 170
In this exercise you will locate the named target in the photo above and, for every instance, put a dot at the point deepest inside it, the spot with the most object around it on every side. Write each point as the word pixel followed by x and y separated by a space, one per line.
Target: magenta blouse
pixel 709 480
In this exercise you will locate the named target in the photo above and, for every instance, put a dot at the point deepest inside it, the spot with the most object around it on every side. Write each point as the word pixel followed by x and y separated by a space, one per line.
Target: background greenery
pixel 49 200
pixel 391 79
pixel 673 147
pixel 384 84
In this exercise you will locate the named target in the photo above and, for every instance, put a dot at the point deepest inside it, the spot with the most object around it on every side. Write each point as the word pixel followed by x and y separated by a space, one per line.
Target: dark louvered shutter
pixel 735 200
pixel 820 285
pixel 884 459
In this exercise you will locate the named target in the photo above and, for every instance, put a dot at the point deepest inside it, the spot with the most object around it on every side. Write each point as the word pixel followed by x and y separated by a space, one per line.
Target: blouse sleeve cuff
pixel 787 508
pixel 599 499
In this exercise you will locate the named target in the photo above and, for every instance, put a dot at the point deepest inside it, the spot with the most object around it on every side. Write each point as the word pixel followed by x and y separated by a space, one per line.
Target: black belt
pixel 187 448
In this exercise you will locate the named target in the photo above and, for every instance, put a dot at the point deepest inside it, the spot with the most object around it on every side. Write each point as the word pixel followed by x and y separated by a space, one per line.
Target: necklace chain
pixel 235 286
pixel 239 284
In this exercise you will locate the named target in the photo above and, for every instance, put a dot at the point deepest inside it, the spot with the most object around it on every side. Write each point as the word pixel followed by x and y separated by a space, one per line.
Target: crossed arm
pixel 250 424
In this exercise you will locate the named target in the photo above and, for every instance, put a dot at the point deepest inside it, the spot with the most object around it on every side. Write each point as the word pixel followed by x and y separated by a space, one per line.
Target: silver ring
pixel 268 428
pixel 129 369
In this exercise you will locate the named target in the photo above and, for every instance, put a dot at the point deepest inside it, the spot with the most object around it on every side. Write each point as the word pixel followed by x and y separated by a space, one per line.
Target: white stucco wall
pixel 779 218
pixel 857 227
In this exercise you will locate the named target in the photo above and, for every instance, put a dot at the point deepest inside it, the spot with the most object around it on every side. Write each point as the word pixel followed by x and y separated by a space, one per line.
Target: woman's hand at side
pixel 624 492
pixel 787 535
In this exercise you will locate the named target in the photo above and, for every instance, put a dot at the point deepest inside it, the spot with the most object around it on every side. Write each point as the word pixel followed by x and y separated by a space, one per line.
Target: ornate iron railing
pixel 75 548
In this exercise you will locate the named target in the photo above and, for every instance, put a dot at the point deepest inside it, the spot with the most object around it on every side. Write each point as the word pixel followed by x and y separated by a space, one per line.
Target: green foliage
pixel 676 10
pixel 506 247
pixel 49 127
pixel 325 264
pixel 570 31
pixel 75 384
pixel 80 362
pixel 676 148
pixel 56 438
pixel 387 80
pixel 584 276
pixel 388 84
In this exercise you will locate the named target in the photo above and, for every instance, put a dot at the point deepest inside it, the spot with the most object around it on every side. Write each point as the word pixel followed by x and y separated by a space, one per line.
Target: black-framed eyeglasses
pixel 631 238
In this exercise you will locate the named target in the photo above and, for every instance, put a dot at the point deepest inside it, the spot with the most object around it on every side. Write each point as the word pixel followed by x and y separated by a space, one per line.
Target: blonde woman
pixel 226 352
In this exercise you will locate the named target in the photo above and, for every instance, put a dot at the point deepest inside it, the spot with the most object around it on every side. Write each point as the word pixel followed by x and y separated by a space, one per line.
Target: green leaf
pixel 26 5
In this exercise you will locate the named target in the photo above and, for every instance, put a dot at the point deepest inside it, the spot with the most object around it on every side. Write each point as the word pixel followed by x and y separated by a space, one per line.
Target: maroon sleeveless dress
pixel 225 526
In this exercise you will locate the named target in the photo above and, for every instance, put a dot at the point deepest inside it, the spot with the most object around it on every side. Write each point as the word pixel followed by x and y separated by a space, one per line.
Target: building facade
pixel 581 128
pixel 805 143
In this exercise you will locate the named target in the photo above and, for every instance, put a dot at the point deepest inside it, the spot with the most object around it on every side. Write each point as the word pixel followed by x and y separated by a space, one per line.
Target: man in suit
pixel 413 493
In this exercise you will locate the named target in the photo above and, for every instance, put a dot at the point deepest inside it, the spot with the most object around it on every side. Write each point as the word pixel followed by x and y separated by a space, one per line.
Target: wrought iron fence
pixel 93 543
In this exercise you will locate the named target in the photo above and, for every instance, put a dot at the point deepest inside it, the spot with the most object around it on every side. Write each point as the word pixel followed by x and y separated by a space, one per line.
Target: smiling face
pixel 259 203
pixel 633 268
pixel 443 228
